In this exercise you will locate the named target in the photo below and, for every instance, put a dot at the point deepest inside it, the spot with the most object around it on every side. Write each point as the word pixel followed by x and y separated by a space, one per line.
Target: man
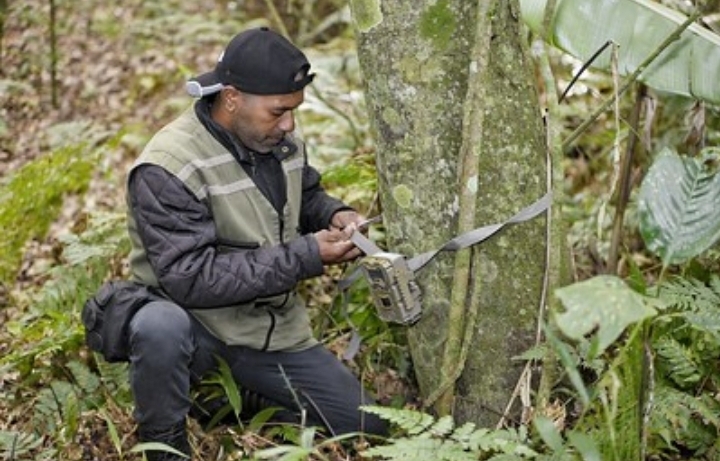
pixel 225 218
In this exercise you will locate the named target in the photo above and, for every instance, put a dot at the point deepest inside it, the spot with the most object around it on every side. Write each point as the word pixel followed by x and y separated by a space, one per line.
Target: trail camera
pixel 395 293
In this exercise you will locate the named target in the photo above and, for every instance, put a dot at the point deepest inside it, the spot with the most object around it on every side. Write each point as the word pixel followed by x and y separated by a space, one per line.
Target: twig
pixel 301 408
pixel 53 55
pixel 353 129
pixel 624 181
pixel 277 19
pixel 584 67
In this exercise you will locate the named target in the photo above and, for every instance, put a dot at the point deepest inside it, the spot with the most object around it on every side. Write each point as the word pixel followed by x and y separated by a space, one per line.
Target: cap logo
pixel 222 55
pixel 300 75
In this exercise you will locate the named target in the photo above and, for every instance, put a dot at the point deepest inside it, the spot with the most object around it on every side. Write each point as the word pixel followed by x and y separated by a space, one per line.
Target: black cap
pixel 257 61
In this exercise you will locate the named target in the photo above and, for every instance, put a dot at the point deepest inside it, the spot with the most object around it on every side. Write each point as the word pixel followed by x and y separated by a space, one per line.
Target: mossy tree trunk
pixel 460 144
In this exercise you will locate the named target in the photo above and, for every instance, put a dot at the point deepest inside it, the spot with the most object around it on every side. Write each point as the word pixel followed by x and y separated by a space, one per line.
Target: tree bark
pixel 449 91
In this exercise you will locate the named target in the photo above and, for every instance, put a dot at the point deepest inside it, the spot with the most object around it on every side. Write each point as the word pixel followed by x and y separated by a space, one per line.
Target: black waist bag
pixel 106 317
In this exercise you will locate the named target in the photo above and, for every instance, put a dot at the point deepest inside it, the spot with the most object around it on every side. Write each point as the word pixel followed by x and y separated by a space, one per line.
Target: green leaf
pixel 567 360
pixel 688 67
pixel 284 453
pixel 549 433
pixel 603 302
pixel 224 377
pixel 157 446
pixel 678 206
pixel 112 430
pixel 262 417
pixel 585 445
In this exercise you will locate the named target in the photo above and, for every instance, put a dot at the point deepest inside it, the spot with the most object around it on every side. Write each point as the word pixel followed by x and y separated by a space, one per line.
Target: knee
pixel 161 327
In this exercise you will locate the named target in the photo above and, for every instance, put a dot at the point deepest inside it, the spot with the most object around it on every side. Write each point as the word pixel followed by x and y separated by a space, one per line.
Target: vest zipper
pixel 268 336
pixel 252 163
pixel 282 228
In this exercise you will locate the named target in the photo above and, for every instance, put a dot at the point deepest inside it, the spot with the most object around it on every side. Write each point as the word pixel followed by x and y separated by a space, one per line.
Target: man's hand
pixel 336 247
pixel 343 219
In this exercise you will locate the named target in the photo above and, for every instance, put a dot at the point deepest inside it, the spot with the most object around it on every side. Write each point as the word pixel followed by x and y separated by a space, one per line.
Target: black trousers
pixel 171 352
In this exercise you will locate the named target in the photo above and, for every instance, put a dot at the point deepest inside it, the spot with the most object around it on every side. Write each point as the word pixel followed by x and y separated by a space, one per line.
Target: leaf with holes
pixel 603 302
pixel 678 205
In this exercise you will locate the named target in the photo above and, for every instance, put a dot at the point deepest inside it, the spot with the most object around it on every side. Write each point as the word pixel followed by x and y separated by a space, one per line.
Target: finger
pixel 354 254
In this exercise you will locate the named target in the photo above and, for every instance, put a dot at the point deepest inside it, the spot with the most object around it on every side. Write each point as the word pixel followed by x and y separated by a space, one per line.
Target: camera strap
pixel 391 276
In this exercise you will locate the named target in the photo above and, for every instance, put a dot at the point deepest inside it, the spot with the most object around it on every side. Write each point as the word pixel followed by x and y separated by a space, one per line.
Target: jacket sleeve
pixel 317 207
pixel 180 240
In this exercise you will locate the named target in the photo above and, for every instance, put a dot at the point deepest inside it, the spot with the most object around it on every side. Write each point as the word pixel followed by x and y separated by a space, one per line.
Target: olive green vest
pixel 244 218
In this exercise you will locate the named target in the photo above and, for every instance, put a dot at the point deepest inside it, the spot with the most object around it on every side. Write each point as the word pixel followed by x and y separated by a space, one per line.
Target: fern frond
pixel 86 380
pixel 436 440
pixel 682 419
pixel 52 405
pixel 463 433
pixel 692 295
pixel 508 441
pixel 442 426
pixel 705 320
pixel 679 361
pixel 420 448
pixel 14 444
pixel 410 421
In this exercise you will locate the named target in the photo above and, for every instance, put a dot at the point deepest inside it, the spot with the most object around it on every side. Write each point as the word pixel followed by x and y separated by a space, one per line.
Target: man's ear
pixel 229 99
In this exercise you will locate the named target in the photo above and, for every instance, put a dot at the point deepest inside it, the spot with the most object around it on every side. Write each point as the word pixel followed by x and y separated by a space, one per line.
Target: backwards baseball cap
pixel 256 61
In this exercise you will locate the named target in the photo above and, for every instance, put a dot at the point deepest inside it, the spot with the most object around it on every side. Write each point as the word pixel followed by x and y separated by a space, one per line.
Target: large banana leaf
pixel 690 66
pixel 679 205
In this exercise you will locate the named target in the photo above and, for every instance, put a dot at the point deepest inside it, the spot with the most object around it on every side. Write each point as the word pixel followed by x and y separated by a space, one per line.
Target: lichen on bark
pixel 366 13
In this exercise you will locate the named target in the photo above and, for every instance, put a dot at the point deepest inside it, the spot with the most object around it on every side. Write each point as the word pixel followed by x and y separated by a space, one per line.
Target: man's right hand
pixel 336 247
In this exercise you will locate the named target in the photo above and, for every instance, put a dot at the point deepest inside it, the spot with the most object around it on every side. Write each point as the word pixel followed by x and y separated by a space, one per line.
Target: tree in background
pixel 460 144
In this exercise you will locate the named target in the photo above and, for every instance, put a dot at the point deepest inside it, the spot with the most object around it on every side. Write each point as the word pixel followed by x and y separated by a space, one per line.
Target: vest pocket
pixel 228 246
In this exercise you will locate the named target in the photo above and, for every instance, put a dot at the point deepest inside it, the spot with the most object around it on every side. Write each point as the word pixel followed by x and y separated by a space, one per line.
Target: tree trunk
pixel 460 144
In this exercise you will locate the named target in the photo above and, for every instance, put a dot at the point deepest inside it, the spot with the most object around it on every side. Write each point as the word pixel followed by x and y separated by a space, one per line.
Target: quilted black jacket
pixel 179 235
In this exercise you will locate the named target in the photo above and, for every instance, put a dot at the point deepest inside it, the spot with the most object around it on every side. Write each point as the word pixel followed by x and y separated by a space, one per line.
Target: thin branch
pixel 53 55
pixel 624 181
pixel 277 19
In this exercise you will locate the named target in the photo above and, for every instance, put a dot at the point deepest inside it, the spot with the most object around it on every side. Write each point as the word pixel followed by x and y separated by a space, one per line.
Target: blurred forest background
pixel 84 84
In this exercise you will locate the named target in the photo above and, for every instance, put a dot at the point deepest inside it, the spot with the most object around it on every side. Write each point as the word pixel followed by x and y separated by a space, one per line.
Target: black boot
pixel 174 436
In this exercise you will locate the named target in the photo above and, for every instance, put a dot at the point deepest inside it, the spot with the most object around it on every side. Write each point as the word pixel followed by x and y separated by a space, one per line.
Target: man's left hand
pixel 346 220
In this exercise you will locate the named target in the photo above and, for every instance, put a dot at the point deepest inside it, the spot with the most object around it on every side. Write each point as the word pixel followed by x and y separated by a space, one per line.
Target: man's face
pixel 261 122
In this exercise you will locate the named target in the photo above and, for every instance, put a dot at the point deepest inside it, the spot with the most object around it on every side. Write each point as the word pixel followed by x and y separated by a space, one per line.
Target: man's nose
pixel 287 122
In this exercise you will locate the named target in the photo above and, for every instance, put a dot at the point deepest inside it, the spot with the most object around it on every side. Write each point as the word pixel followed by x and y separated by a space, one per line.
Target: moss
pixel 438 24
pixel 403 195
pixel 366 14
pixel 391 117
pixel 32 199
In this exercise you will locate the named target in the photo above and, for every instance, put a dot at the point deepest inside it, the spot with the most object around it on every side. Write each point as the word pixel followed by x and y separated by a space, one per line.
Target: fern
pixel 680 361
pixel 53 405
pixel 682 420
pixel 56 305
pixel 440 440
pixel 691 295
pixel 113 377
pixel 687 345
pixel 15 445
pixel 32 198
pixel 410 421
